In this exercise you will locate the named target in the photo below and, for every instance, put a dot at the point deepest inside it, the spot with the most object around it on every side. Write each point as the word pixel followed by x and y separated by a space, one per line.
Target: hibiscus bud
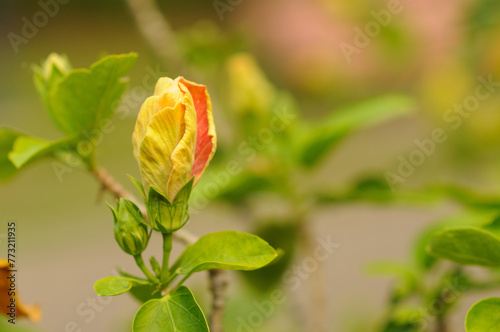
pixel 130 229
pixel 250 92
pixel 166 216
pixel 174 140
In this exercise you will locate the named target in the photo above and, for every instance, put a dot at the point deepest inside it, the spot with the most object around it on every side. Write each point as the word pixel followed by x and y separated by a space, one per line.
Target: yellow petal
pixel 167 94
pixel 167 150
pixel 149 108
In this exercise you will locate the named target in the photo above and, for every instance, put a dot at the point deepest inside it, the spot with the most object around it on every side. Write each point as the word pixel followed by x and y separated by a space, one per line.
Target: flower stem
pixel 144 269
pixel 167 248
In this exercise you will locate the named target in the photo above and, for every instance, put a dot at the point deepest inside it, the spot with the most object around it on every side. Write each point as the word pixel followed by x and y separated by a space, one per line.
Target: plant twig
pixel 157 31
pixel 217 278
pixel 318 299
pixel 218 285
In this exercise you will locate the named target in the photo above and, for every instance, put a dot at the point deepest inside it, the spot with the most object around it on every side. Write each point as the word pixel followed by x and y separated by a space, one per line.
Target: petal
pixel 206 141
pixel 167 94
pixel 149 108
pixel 33 313
pixel 166 151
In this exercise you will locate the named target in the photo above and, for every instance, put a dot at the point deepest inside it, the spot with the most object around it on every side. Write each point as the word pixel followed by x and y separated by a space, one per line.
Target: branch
pixel 218 285
pixel 217 278
pixel 157 31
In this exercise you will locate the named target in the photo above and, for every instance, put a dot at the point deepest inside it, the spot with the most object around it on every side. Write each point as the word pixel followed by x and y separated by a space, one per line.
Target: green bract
pixel 131 231
pixel 168 217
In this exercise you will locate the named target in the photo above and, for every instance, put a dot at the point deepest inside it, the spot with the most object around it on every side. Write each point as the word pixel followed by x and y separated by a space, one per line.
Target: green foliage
pixel 82 100
pixel 177 311
pixel 320 138
pixel 7 139
pixel 484 316
pixel 423 258
pixel 26 149
pixel 79 101
pixel 116 285
pixel 467 245
pixel 228 250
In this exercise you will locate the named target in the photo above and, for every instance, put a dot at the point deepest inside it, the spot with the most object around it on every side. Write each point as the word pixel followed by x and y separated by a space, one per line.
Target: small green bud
pixel 51 70
pixel 47 75
pixel 131 231
pixel 168 217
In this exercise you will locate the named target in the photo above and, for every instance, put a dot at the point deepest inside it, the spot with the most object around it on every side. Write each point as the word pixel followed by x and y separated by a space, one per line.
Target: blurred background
pixel 312 57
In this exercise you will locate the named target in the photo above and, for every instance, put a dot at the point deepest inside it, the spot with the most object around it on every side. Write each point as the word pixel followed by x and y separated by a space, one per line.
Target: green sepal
pixel 138 185
pixel 167 217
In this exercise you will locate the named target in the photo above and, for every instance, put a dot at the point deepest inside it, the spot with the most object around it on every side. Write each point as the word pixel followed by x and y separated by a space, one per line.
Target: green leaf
pixel 321 138
pixel 84 98
pixel 112 286
pixel 7 139
pixel 178 311
pixel 228 250
pixel 26 149
pixel 465 218
pixel 467 245
pixel 484 316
